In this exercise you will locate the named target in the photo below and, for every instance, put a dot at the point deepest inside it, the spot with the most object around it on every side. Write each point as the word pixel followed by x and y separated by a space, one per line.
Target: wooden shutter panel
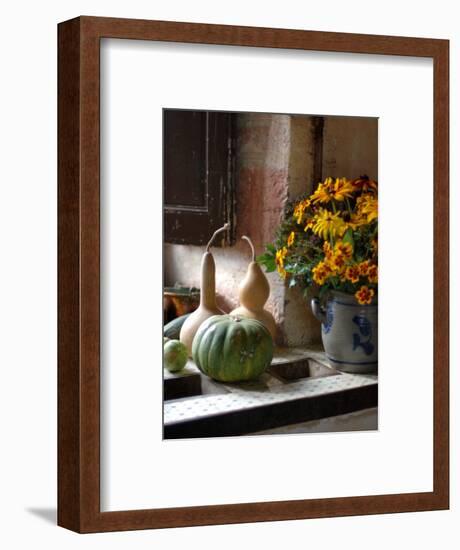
pixel 197 162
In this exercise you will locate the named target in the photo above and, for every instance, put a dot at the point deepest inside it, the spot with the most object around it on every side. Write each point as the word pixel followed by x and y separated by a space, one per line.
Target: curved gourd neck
pixel 214 235
pixel 252 247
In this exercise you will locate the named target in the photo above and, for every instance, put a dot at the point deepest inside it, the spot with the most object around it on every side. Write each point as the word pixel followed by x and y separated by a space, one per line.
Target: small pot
pixel 349 332
pixel 178 301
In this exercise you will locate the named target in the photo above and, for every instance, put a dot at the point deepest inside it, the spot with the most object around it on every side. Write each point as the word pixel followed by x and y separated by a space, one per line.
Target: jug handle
pixel 318 311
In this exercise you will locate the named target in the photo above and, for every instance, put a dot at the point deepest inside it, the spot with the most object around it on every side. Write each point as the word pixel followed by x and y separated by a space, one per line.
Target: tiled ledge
pixel 272 401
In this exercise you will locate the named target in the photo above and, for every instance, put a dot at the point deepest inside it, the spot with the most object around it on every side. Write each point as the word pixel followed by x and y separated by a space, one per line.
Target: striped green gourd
pixel 232 349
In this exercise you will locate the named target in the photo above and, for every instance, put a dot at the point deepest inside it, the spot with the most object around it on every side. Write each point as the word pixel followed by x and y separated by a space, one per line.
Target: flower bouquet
pixel 328 244
pixel 328 240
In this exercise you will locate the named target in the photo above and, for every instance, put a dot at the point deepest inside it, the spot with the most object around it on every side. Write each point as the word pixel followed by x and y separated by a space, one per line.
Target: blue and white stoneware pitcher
pixel 349 332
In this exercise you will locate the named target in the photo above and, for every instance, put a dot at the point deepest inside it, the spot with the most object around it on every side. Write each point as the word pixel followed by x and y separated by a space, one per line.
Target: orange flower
pixel 352 273
pixel 290 240
pixel 327 249
pixel 343 248
pixel 364 295
pixel 364 268
pixel 374 246
pixel 337 262
pixel 321 272
pixel 364 184
pixel 373 273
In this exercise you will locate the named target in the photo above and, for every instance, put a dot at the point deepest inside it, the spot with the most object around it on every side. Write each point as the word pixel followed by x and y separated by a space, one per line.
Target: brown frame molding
pixel 78 277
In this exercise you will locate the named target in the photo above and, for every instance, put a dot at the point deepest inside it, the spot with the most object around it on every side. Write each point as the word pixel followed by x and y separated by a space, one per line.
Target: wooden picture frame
pixel 79 276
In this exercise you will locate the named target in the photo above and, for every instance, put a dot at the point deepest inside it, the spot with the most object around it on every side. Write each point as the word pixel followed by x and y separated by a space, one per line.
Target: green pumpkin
pixel 232 349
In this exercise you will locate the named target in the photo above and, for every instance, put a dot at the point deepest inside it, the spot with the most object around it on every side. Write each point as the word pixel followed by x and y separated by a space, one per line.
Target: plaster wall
pixel 350 147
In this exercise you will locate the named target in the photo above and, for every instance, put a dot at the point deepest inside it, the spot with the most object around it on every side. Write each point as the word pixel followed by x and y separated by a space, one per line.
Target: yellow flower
pixel 300 209
pixel 279 260
pixel 280 255
pixel 291 238
pixel 373 273
pixel 368 206
pixel 329 183
pixel 352 273
pixel 282 272
pixel 310 223
pixel 328 224
pixel 364 295
pixel 342 189
pixel 321 272
pixel 322 193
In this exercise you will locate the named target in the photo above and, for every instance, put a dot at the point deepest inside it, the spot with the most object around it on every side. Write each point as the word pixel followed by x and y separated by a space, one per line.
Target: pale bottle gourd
pixel 254 291
pixel 208 306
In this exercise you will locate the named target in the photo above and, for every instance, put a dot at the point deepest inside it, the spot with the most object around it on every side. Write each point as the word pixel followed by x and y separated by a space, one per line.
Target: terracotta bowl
pixel 178 301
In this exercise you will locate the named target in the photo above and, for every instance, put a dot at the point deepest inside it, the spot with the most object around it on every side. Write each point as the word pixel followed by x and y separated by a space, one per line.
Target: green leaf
pixel 348 237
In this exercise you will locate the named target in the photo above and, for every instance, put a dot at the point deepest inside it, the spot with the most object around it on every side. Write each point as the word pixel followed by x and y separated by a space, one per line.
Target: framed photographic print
pixel 253 274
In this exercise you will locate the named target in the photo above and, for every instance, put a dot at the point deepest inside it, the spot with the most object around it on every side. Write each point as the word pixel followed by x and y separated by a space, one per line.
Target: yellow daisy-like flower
pixel 322 193
pixel 368 206
pixel 364 295
pixel 321 272
pixel 373 273
pixel 342 189
pixel 329 183
pixel 328 224
pixel 352 273
pixel 291 238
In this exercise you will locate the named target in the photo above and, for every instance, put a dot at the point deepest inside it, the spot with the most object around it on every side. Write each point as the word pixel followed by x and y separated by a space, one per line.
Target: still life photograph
pixel 271 274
